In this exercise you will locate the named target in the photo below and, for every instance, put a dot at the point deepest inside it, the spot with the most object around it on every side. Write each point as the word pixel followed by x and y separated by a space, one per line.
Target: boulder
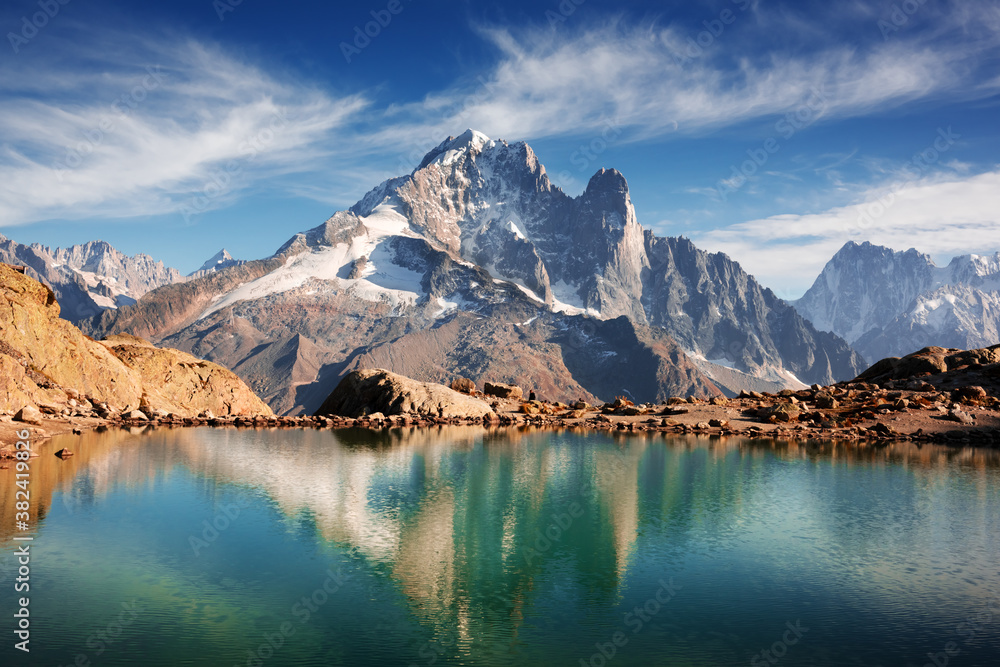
pixel 960 416
pixel 368 391
pixel 826 402
pixel 463 385
pixel 499 390
pixel 968 393
pixel 29 414
pixel 182 384
pixel 782 412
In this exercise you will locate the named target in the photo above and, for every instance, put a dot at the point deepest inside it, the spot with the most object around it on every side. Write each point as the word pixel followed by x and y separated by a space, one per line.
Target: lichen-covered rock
pixel 368 391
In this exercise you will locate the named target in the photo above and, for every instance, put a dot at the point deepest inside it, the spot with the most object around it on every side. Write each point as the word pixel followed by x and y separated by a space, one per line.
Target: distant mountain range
pixel 93 277
pixel 475 265
pixel 889 304
pixel 89 278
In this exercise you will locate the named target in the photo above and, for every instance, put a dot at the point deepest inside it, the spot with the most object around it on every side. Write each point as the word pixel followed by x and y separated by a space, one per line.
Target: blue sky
pixel 773 131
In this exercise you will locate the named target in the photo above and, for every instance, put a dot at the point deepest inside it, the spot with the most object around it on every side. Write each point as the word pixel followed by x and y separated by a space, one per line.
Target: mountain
pixel 888 303
pixel 216 262
pixel 89 278
pixel 476 265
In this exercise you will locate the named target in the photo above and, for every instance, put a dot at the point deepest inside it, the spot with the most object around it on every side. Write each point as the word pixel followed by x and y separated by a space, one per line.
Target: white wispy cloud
pixel 160 126
pixel 572 82
pixel 939 215
pixel 210 124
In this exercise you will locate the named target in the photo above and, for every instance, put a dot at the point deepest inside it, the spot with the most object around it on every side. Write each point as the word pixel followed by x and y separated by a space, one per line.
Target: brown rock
pixel 180 383
pixel 968 393
pixel 503 390
pixel 782 412
pixel 826 402
pixel 64 453
pixel 376 390
pixel 463 385
pixel 52 361
pixel 29 415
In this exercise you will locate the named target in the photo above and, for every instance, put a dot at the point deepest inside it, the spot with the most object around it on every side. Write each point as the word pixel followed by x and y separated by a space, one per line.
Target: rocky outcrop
pixel 370 391
pixel 46 361
pixel 940 368
pixel 501 390
pixel 179 383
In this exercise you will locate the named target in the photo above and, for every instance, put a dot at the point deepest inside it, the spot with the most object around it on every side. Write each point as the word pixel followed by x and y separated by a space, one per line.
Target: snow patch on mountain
pixel 381 278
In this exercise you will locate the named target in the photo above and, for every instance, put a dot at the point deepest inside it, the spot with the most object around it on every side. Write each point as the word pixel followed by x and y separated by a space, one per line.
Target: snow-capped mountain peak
pixel 453 149
pixel 889 303
pixel 219 260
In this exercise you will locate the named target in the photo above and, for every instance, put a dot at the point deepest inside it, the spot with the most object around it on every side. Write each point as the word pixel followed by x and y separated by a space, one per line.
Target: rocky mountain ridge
pixel 90 277
pixel 888 303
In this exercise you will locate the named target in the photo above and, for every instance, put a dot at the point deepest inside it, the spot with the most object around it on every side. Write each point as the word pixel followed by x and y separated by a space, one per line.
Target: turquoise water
pixel 458 547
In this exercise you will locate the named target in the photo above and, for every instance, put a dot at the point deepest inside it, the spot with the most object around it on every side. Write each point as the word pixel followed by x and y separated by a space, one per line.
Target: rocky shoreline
pixel 862 412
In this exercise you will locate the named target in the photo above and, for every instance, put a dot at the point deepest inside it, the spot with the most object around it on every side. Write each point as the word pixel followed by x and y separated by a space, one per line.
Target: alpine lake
pixel 466 546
